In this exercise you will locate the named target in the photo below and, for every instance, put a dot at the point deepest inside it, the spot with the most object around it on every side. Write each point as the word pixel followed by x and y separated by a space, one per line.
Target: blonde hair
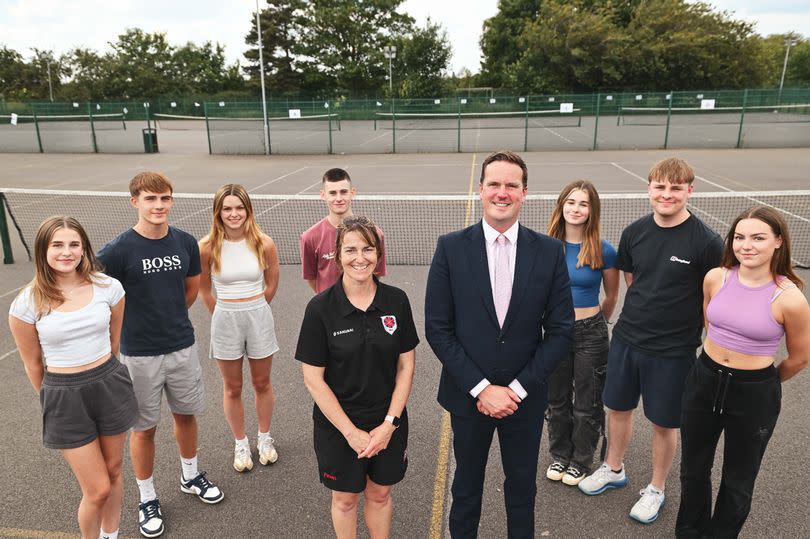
pixel 672 170
pixel 253 234
pixel 590 254
pixel 45 292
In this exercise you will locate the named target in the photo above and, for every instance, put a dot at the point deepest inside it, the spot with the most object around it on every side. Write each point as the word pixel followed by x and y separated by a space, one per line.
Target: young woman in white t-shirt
pixel 67 326
pixel 240 264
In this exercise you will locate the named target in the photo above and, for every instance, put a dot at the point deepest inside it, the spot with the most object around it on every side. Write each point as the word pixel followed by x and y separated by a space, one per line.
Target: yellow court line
pixel 440 481
pixel 38 534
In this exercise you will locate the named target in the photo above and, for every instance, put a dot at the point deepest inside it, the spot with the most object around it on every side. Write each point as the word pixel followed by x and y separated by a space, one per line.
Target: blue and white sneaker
pixel 649 506
pixel 204 489
pixel 150 518
pixel 602 479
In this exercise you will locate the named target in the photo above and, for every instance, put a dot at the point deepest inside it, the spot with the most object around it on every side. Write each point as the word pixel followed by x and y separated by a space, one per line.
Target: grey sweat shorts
pixel 243 328
pixel 178 374
pixel 78 408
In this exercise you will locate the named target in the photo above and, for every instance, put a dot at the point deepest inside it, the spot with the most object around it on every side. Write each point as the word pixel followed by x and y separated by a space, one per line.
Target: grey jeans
pixel 576 416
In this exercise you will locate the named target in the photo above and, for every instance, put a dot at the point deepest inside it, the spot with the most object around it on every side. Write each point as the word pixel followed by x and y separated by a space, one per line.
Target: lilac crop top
pixel 740 318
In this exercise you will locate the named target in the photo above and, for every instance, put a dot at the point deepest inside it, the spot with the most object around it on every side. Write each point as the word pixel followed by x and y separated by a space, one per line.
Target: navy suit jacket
pixel 462 328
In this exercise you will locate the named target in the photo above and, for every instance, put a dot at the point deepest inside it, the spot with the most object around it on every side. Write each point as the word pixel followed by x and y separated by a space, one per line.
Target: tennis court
pixel 404 193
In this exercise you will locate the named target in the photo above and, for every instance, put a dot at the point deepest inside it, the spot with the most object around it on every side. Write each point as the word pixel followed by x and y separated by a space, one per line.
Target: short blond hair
pixel 672 170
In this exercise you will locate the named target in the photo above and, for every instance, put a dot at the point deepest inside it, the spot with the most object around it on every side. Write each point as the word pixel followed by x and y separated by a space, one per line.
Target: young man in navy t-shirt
pixel 159 267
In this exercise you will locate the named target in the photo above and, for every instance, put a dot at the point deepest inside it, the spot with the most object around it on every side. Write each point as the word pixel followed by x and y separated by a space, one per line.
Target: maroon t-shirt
pixel 318 255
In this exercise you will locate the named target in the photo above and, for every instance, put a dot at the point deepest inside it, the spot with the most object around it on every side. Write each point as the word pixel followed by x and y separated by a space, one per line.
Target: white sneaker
pixel 556 470
pixel 601 480
pixel 241 458
pixel 267 451
pixel 649 506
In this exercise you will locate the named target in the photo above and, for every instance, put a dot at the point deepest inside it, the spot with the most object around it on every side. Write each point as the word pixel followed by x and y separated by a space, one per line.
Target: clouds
pixel 772 17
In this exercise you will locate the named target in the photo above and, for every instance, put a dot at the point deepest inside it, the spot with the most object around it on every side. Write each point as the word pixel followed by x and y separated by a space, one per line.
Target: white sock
pixel 147 489
pixel 108 535
pixel 243 442
pixel 189 468
pixel 264 435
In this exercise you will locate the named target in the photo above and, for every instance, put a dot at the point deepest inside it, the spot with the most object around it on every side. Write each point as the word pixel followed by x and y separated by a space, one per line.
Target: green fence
pixel 461 123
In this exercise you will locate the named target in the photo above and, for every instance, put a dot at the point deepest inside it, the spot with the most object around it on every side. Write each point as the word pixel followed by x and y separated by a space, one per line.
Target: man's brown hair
pixel 672 170
pixel 152 182
pixel 509 157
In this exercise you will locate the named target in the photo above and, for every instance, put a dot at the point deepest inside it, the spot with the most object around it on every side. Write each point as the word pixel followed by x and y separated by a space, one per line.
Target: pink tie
pixel 503 278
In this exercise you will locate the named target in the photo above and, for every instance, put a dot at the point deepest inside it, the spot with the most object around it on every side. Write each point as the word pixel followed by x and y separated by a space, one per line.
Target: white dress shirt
pixel 490 238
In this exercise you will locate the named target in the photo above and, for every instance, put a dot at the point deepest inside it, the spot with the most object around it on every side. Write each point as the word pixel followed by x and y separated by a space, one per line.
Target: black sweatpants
pixel 744 405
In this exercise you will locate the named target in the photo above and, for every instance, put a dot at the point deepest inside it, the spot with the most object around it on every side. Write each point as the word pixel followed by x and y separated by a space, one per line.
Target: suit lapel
pixel 477 254
pixel 524 264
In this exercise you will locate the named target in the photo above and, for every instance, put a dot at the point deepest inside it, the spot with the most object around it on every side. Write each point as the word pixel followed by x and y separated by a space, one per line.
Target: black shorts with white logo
pixel 339 468
pixel 78 408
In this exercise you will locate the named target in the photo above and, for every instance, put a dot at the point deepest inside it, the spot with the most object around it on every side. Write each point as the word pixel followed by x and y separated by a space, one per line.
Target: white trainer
pixel 602 479
pixel 267 451
pixel 556 470
pixel 241 458
pixel 648 507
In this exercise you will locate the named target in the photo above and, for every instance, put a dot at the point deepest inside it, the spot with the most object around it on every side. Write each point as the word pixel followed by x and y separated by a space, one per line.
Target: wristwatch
pixel 393 420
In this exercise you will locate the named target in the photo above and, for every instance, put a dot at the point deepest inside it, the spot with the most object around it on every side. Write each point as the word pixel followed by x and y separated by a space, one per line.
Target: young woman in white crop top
pixel 734 387
pixel 239 279
pixel 67 326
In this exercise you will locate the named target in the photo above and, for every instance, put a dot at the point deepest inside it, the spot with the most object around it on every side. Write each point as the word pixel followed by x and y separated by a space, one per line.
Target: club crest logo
pixel 389 323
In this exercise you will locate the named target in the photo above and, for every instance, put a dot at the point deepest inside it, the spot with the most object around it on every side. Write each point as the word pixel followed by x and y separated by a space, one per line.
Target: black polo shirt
pixel 359 349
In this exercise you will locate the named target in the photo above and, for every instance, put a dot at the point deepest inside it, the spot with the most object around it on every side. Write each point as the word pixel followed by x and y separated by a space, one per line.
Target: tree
pixel 16 77
pixel 422 60
pixel 500 40
pixel 282 25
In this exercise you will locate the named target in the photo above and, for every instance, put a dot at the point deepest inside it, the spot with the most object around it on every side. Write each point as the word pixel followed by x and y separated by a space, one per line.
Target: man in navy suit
pixel 499 316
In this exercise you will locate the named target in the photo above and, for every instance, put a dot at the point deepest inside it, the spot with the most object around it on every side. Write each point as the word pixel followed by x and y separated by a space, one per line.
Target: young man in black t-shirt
pixel 159 267
pixel 664 257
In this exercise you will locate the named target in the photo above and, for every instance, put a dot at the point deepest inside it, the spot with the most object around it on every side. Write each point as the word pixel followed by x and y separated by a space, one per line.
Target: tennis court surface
pixel 414 197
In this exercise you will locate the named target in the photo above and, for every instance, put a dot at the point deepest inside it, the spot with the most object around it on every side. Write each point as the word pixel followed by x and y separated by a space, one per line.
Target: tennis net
pixel 797 113
pixel 237 135
pixel 477 120
pixel 411 223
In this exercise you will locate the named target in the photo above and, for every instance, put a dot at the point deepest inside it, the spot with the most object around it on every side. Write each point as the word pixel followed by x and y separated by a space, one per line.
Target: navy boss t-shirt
pixel 663 309
pixel 153 273
pixel 358 349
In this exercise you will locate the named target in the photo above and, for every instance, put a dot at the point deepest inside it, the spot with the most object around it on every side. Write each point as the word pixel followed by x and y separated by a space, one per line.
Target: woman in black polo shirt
pixel 357 346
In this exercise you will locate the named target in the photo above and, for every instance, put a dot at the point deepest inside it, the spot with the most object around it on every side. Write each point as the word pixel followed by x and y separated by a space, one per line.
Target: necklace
pixel 69 291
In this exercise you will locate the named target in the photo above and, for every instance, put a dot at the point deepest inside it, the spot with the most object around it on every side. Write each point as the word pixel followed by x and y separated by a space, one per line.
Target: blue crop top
pixel 585 282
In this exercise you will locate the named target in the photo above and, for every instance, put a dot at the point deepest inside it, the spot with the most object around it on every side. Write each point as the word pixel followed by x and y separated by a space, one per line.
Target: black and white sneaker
pixel 573 475
pixel 204 489
pixel 556 470
pixel 150 518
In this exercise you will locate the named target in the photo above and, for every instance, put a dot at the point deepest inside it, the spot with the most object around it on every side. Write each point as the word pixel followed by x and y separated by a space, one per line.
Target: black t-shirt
pixel 153 273
pixel 359 349
pixel 663 308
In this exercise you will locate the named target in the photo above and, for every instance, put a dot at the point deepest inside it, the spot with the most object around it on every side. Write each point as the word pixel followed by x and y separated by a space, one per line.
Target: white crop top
pixel 75 338
pixel 240 275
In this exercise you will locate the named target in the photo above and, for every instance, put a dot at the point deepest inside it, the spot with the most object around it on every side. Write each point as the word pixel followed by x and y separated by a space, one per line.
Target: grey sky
pixel 60 25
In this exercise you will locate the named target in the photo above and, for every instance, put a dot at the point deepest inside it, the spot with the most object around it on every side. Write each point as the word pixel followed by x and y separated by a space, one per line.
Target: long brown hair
pixel 253 234
pixel 44 290
pixel 591 252
pixel 363 226
pixel 781 261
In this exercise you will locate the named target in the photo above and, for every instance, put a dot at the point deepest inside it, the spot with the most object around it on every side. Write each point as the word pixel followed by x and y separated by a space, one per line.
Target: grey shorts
pixel 78 408
pixel 178 374
pixel 243 328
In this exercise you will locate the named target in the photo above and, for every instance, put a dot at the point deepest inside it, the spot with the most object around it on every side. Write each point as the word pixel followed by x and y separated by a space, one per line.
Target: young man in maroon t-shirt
pixel 318 242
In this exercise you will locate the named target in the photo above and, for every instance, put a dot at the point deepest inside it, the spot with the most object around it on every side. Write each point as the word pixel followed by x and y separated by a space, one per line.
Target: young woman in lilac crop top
pixel 750 302
pixel 67 326
pixel 575 412
pixel 240 264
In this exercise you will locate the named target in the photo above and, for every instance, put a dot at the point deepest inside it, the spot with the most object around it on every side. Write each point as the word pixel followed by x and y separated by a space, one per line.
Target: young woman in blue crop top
pixel 67 326
pixel 240 264
pixel 750 302
pixel 575 413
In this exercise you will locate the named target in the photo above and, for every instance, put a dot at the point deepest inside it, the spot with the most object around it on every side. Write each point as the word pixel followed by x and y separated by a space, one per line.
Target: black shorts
pixel 78 408
pixel 339 468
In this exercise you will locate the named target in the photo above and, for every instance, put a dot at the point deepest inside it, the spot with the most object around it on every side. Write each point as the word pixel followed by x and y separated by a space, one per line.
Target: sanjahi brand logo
pixel 161 263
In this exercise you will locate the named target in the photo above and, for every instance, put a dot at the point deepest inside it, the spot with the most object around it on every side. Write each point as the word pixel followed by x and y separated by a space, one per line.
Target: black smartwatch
pixel 393 420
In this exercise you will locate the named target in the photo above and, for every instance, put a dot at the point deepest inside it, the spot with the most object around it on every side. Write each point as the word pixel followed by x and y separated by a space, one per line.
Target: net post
pixel 92 127
pixel 394 124
pixel 207 128
pixel 36 128
pixel 669 117
pixel 329 119
pixel 458 128
pixel 596 119
pixel 8 256
pixel 526 126
pixel 149 125
pixel 742 118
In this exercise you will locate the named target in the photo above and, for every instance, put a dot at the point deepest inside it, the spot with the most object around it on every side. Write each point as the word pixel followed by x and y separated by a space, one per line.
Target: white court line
pixel 277 204
pixel 4 356
pixel 277 179
pixel 633 174
pixel 373 139
pixel 569 141
pixel 12 291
